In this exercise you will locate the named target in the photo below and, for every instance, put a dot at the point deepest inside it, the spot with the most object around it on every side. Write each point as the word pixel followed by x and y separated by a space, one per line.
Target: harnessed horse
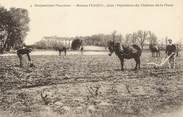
pixel 129 52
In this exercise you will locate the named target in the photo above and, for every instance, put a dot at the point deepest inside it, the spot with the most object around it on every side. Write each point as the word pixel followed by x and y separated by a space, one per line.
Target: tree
pixel 121 39
pixel 131 38
pixel 76 44
pixel 153 39
pixel 114 35
pixel 15 23
pixel 142 36
pixel 4 19
pixel 127 38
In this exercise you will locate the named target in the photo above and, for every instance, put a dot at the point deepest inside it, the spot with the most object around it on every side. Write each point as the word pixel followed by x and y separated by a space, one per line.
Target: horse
pixel 61 49
pixel 24 51
pixel 127 52
pixel 155 50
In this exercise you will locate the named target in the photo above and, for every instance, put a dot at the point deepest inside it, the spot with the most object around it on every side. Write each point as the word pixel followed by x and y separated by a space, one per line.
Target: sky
pixel 85 21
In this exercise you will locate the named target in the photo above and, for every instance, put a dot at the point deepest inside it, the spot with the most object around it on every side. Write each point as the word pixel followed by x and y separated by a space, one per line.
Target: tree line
pixel 140 37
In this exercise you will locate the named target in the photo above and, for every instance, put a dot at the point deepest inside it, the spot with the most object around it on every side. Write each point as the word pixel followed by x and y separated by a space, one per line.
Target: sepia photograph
pixel 91 58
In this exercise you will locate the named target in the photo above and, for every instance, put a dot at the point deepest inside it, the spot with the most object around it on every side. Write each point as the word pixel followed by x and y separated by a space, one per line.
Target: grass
pixel 88 86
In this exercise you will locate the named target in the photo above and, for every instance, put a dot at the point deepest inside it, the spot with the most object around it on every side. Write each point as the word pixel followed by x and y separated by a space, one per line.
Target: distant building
pixel 66 41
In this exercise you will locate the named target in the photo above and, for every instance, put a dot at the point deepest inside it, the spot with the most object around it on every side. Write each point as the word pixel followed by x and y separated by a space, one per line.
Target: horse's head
pixel 112 46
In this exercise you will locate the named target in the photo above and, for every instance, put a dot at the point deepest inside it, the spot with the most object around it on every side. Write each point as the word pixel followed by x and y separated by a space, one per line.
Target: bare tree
pixel 153 38
pixel 134 38
pixel 142 37
pixel 128 38
pixel 121 38
pixel 114 35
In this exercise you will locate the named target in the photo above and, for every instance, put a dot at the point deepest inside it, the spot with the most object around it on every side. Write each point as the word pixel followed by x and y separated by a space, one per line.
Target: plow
pixel 163 61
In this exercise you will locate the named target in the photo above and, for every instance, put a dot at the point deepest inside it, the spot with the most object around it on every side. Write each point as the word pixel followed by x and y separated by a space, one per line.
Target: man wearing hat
pixel 170 51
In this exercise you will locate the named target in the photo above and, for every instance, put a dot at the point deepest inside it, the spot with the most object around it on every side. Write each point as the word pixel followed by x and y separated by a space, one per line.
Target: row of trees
pixel 140 37
pixel 13 27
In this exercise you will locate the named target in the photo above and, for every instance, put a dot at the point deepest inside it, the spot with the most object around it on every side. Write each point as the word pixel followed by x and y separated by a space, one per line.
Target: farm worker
pixel 24 51
pixel 170 51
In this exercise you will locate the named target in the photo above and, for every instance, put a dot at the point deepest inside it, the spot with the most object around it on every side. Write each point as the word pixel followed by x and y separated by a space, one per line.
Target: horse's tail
pixel 139 50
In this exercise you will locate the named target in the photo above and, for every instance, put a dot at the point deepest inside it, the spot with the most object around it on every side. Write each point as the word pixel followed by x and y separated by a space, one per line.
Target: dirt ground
pixel 88 86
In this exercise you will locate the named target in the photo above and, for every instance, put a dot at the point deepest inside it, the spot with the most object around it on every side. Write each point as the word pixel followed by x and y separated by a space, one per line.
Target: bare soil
pixel 88 86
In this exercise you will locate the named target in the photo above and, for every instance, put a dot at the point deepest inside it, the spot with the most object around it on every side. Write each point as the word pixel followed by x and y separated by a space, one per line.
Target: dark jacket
pixel 170 49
